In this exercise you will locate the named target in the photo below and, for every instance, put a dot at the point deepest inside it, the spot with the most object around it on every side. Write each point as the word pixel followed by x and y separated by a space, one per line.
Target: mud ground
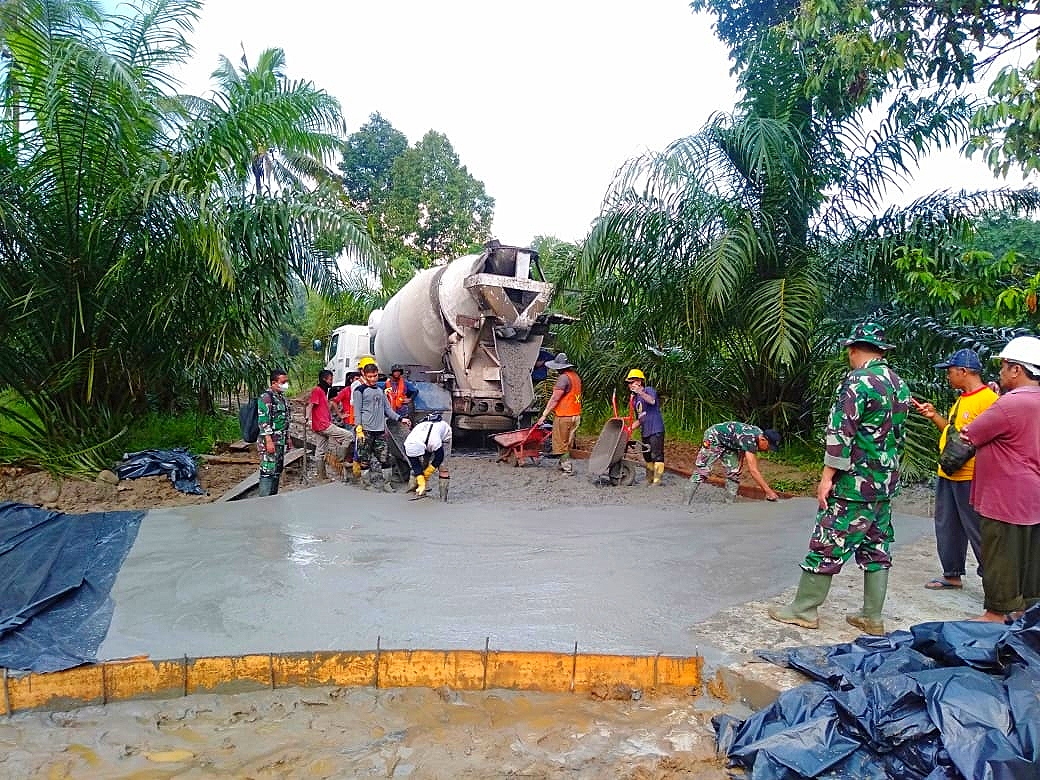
pixel 339 733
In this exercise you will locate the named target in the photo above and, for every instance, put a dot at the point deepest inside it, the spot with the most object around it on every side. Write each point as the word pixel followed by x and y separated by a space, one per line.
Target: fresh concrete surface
pixel 334 567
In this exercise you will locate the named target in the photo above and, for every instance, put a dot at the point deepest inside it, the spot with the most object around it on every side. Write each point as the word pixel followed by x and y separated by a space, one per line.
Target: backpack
pixel 249 421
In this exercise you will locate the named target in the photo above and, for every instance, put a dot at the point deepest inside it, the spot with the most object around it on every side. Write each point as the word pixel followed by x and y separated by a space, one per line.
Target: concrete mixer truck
pixel 469 333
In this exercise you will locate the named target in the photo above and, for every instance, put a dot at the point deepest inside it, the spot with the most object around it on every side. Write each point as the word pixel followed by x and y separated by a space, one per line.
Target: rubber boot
pixel 812 591
pixel 322 472
pixel 355 470
pixel 442 487
pixel 266 486
pixel 869 619
pixel 692 486
pixel 388 485
pixel 649 473
pixel 732 488
pixel 658 472
pixel 276 479
pixel 413 483
pixel 566 466
pixel 420 485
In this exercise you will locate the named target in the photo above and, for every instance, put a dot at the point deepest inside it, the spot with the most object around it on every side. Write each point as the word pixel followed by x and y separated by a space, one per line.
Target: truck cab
pixel 347 345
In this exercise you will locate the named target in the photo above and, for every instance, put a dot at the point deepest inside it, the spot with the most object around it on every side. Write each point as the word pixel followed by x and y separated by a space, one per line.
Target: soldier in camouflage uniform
pixel 734 444
pixel 273 417
pixel 866 431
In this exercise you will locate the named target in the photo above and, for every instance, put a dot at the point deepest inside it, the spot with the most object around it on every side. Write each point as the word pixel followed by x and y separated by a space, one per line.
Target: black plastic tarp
pixel 178 464
pixel 940 701
pixel 56 573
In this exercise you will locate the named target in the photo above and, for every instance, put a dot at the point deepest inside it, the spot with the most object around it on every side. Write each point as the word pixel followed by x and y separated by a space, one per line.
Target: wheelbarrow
pixel 518 446
pixel 607 464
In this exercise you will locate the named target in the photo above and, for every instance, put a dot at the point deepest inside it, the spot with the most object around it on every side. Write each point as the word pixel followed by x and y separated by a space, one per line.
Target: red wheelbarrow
pixel 516 447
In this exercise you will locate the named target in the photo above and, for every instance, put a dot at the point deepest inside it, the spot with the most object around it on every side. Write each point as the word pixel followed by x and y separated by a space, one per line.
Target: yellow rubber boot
pixel 355 469
pixel 420 482
pixel 658 472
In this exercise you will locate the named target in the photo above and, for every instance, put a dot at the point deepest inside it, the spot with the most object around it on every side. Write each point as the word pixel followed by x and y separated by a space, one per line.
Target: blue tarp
pixel 56 573
pixel 940 701
pixel 178 464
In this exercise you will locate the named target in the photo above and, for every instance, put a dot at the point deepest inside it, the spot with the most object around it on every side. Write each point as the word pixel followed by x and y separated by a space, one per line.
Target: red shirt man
pixel 320 419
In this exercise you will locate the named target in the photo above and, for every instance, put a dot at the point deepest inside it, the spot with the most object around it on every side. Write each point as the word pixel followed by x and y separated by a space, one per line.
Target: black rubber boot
pixel 277 479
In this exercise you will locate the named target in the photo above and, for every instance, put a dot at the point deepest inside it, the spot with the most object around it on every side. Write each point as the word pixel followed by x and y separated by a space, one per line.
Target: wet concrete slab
pixel 334 567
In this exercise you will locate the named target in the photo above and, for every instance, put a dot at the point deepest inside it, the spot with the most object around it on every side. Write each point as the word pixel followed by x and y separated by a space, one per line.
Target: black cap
pixel 774 439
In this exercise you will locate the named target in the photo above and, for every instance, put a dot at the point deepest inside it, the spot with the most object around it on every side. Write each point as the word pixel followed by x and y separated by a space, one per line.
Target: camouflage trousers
pixel 373 447
pixel 709 453
pixel 846 527
pixel 271 465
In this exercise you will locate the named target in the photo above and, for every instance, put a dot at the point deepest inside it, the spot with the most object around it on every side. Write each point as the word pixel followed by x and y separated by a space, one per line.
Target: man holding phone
pixel 956 521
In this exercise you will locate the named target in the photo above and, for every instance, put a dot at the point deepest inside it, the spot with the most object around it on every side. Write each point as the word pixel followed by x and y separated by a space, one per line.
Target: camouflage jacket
pixel 734 436
pixel 866 431
pixel 272 415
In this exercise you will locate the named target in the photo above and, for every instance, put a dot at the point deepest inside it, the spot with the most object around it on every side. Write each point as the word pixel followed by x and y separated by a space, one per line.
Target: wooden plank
pixel 253 479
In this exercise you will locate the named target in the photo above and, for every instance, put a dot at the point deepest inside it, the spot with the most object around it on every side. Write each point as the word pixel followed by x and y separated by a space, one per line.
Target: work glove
pixel 420 482
pixel 359 432
pixel 428 471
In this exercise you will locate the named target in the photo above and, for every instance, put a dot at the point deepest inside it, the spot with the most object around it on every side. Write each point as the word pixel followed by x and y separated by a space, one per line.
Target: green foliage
pixel 198 433
pixel 423 206
pixel 435 209
pixel 150 239
pixel 367 164
pixel 556 263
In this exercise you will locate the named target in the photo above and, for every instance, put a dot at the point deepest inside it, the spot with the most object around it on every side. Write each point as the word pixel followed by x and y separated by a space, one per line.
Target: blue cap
pixel 962 358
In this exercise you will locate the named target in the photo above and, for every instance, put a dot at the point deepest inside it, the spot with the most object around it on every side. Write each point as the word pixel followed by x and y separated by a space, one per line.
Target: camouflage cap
pixel 868 333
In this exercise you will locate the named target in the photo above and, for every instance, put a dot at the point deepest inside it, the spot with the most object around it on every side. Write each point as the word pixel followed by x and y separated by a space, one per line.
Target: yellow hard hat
pixel 635 373
pixel 366 361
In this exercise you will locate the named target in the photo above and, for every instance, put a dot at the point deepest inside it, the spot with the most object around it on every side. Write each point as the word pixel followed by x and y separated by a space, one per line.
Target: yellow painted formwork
pixel 142 678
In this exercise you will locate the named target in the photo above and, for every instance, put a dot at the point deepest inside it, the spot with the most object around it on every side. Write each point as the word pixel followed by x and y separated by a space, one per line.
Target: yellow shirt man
pixel 964 410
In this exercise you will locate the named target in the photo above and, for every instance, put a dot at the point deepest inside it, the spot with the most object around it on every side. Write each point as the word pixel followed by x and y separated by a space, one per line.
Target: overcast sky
pixel 542 101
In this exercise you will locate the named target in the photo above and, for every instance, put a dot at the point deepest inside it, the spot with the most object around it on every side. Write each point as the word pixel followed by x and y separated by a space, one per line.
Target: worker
pixel 318 415
pixel 371 411
pixel 424 448
pixel 540 372
pixel 646 412
pixel 273 441
pixel 345 401
pixel 565 402
pixel 342 409
pixel 735 444
pixel 400 391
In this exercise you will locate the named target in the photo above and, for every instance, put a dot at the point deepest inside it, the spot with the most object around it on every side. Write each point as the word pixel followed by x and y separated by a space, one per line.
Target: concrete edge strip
pixel 473 670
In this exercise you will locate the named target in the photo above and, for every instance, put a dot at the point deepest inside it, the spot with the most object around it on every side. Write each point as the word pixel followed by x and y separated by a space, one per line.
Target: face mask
pixel 283 386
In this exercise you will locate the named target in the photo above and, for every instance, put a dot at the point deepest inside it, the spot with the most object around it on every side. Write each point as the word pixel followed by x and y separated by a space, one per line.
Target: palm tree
pixel 132 257
pixel 722 257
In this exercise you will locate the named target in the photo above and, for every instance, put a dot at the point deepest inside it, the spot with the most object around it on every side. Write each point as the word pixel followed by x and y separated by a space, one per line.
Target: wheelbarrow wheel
pixel 512 459
pixel 623 473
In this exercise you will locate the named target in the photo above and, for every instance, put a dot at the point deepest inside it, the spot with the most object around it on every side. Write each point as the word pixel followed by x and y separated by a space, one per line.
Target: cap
pixel 773 437
pixel 962 358
pixel 868 333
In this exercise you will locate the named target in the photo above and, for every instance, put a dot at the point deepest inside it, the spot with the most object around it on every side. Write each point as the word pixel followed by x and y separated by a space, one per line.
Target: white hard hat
pixel 1024 350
